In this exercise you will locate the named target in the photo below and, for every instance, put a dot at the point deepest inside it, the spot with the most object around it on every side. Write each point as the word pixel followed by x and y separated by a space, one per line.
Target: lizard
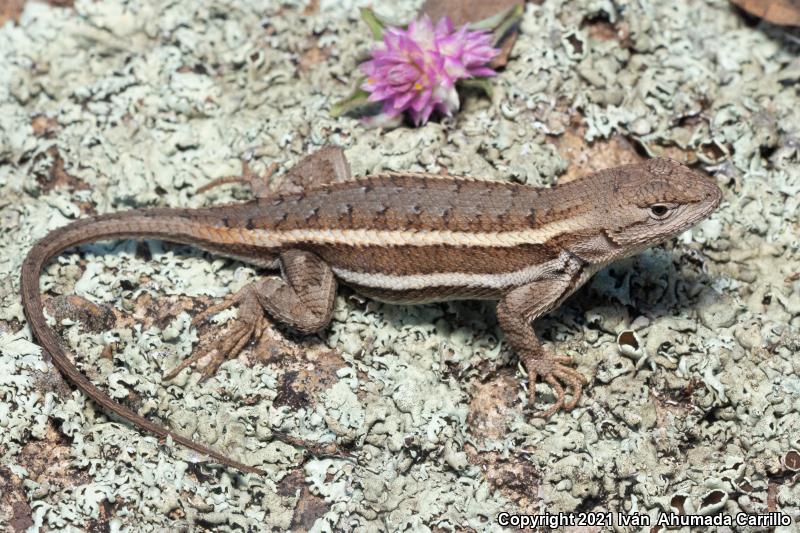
pixel 402 237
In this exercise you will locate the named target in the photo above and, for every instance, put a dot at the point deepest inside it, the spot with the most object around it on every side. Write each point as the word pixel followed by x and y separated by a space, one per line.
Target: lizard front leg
pixel 516 312
pixel 301 299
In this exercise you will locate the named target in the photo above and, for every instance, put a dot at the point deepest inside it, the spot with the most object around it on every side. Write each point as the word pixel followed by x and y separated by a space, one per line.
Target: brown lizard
pixel 402 237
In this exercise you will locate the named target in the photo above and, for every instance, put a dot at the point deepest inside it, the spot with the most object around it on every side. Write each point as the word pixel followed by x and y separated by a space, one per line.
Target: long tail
pixel 167 224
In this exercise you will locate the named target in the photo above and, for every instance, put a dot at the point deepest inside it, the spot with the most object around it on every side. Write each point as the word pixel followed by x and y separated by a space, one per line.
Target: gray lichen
pixel 145 101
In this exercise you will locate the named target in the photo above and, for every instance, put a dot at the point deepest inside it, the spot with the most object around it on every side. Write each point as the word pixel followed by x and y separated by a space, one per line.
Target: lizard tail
pixel 111 226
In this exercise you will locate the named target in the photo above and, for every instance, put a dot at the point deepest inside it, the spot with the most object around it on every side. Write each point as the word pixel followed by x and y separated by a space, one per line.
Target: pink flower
pixel 416 69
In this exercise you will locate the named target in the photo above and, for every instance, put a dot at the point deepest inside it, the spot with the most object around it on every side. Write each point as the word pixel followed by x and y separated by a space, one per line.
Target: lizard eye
pixel 660 211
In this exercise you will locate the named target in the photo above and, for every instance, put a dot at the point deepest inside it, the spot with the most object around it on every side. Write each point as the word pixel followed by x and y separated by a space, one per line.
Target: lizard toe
pixel 227 346
pixel 196 356
pixel 531 387
pixel 577 390
pixel 570 374
pixel 562 359
pixel 559 392
pixel 557 376
pixel 216 308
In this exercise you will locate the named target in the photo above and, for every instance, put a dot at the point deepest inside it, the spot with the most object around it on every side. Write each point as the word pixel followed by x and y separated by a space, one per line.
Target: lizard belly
pixel 429 273
pixel 423 287
pixel 426 295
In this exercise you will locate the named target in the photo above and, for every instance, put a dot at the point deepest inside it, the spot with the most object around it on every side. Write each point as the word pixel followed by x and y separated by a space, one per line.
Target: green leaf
pixel 478 84
pixel 499 18
pixel 356 101
pixel 512 18
pixel 375 24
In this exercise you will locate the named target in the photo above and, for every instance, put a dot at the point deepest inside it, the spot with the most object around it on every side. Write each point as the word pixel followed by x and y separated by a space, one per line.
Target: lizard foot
pixel 554 371
pixel 250 324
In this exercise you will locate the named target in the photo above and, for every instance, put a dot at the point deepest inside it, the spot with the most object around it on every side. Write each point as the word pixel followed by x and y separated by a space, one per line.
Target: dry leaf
pixel 10 10
pixel 466 11
pixel 783 12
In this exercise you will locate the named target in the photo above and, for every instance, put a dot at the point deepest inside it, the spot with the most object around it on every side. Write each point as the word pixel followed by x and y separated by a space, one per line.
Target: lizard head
pixel 657 200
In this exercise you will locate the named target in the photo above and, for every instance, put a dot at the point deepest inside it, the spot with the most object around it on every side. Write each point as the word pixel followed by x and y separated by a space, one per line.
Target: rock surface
pixel 114 105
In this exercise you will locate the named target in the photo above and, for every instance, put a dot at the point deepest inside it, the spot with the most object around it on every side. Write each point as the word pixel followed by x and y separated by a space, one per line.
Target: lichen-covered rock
pixel 114 105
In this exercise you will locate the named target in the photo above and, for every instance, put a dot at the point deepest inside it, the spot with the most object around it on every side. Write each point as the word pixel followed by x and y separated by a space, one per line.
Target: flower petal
pixel 444 26
pixel 402 100
pixel 415 69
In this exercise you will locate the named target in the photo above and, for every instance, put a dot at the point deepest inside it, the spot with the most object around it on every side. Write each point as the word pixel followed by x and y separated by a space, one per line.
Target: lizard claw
pixel 554 372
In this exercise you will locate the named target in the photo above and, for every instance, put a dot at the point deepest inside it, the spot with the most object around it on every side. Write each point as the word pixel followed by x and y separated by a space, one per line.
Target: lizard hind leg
pixel 326 165
pixel 301 299
pixel 258 183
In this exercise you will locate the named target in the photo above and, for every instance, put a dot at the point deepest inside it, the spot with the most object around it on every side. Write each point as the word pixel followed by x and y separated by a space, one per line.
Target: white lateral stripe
pixel 448 279
pixel 368 237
